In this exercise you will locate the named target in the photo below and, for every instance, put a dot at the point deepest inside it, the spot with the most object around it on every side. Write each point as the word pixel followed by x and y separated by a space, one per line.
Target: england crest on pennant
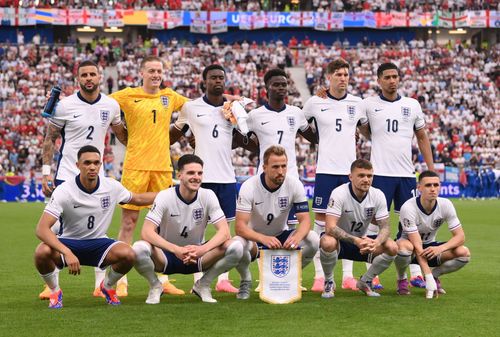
pixel 280 265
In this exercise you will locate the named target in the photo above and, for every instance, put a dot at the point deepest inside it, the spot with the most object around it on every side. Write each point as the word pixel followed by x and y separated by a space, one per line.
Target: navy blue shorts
pixel 91 252
pixel 349 251
pixel 432 262
pixel 323 186
pixel 397 189
pixel 176 266
pixel 227 195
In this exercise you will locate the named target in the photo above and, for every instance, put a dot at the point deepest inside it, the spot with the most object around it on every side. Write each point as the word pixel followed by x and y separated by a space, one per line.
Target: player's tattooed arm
pixel 384 231
pixel 340 234
pixel 49 143
pixel 121 133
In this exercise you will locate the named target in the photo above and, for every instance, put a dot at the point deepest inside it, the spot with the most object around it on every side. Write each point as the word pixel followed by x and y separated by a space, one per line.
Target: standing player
pixel 277 123
pixel 421 218
pixel 84 205
pixel 336 119
pixel 174 231
pixel 261 215
pixel 392 121
pixel 351 208
pixel 147 166
pixel 80 119
pixel 214 137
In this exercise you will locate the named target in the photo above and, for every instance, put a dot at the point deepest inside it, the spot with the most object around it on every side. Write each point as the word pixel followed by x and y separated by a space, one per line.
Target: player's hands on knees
pixel 271 242
pixel 47 185
pixel 291 243
pixel 431 252
pixel 73 263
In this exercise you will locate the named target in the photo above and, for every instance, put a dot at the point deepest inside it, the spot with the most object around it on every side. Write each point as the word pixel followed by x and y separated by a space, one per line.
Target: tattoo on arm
pixel 384 231
pixel 340 234
pixel 49 143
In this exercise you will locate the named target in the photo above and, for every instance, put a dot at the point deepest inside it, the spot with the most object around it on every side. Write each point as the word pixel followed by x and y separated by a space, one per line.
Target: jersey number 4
pixel 184 232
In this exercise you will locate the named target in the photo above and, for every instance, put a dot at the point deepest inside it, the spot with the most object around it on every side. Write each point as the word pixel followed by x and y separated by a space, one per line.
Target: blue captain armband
pixel 301 207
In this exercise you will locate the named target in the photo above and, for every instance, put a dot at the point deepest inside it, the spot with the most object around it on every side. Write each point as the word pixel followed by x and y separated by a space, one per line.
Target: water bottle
pixel 48 110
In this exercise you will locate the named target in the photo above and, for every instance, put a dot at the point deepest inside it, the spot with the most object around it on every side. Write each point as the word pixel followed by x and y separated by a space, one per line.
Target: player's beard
pixel 278 181
pixel 87 90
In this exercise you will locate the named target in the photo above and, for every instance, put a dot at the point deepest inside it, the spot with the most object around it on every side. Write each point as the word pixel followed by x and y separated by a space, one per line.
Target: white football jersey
pixel 277 128
pixel 214 137
pixel 355 215
pixel 336 121
pixel 183 223
pixel 82 123
pixel 85 215
pixel 392 125
pixel 413 218
pixel 269 208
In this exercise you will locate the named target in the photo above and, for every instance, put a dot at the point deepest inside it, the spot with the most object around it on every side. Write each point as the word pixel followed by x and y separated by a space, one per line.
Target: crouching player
pixel 174 230
pixel 262 214
pixel 84 206
pixel 351 208
pixel 421 217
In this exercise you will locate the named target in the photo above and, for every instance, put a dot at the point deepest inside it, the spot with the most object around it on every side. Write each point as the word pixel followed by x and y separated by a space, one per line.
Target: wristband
pixel 46 170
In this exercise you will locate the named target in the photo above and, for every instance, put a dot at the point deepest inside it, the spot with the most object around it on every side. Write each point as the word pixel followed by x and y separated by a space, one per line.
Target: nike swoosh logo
pixel 76 116
pixel 172 215
pixel 77 206
pixel 377 110
pixel 258 203
pixel 137 100
pixel 349 211
pixel 325 109
pixel 198 115
pixel 263 123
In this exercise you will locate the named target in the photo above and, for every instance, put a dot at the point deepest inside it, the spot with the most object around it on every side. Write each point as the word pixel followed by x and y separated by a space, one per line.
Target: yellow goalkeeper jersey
pixel 148 123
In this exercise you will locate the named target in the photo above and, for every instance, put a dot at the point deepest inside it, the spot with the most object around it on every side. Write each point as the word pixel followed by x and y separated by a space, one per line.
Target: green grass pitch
pixel 470 308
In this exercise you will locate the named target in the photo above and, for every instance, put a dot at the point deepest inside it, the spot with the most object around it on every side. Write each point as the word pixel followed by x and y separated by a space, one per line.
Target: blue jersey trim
pixel 205 99
pixel 84 100
pixel 178 192
pixel 334 98
pixel 268 107
pixel 354 195
pixel 263 182
pixel 421 208
pixel 388 100
pixel 81 187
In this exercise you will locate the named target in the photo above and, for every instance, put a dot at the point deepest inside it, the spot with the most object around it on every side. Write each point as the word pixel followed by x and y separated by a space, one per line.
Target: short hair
pixel 150 58
pixel 188 159
pixel 362 164
pixel 276 150
pixel 212 67
pixel 386 66
pixel 427 174
pixel 87 63
pixel 336 65
pixel 86 149
pixel 274 72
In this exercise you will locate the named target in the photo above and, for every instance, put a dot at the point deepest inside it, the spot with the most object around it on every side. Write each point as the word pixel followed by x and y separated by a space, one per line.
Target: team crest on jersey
pixel 198 214
pixel 351 111
pixel 406 223
pixel 437 223
pixel 318 200
pixel 164 100
pixel 291 122
pixel 105 202
pixel 369 211
pixel 280 265
pixel 282 202
pixel 405 112
pixel 104 115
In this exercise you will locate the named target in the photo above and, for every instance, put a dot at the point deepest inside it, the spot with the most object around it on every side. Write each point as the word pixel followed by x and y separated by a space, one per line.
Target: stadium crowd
pixel 256 5
pixel 456 85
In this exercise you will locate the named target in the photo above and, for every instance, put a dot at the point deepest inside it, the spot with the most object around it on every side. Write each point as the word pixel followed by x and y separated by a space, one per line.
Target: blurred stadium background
pixel 448 52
